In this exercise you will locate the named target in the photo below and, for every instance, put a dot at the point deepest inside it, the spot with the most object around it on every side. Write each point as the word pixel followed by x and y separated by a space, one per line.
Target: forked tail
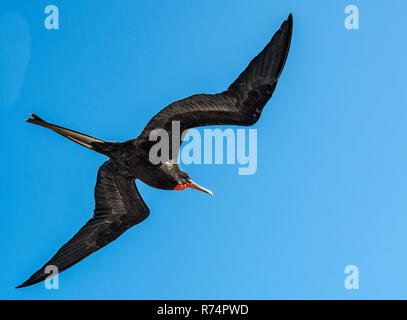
pixel 83 139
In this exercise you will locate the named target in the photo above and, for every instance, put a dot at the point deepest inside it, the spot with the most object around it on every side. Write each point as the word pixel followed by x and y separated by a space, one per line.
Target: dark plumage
pixel 119 205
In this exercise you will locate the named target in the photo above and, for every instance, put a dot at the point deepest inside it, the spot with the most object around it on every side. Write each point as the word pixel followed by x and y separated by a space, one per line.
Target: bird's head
pixel 184 181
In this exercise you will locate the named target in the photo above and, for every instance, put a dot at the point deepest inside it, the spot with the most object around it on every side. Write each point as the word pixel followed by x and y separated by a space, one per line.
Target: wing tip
pixel 288 22
pixel 25 284
pixel 34 279
pixel 286 31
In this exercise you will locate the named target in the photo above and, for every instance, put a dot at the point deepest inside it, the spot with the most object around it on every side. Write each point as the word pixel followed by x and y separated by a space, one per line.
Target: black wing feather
pixel 244 100
pixel 119 206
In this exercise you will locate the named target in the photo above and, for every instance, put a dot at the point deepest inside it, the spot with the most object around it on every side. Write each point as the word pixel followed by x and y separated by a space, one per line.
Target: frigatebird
pixel 118 204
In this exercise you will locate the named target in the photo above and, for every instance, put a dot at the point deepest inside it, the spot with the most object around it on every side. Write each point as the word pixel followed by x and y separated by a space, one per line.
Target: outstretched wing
pixel 241 104
pixel 119 206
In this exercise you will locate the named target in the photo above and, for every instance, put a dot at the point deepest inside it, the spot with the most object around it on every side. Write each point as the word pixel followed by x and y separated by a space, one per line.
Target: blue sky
pixel 331 180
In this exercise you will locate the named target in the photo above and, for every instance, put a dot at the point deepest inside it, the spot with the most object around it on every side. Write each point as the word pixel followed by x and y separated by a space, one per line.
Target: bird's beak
pixel 198 187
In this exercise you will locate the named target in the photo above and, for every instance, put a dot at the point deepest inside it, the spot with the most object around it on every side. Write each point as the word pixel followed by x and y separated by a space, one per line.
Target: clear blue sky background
pixel 330 189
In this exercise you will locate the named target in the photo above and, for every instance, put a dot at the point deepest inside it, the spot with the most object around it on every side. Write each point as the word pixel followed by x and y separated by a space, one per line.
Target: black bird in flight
pixel 119 205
